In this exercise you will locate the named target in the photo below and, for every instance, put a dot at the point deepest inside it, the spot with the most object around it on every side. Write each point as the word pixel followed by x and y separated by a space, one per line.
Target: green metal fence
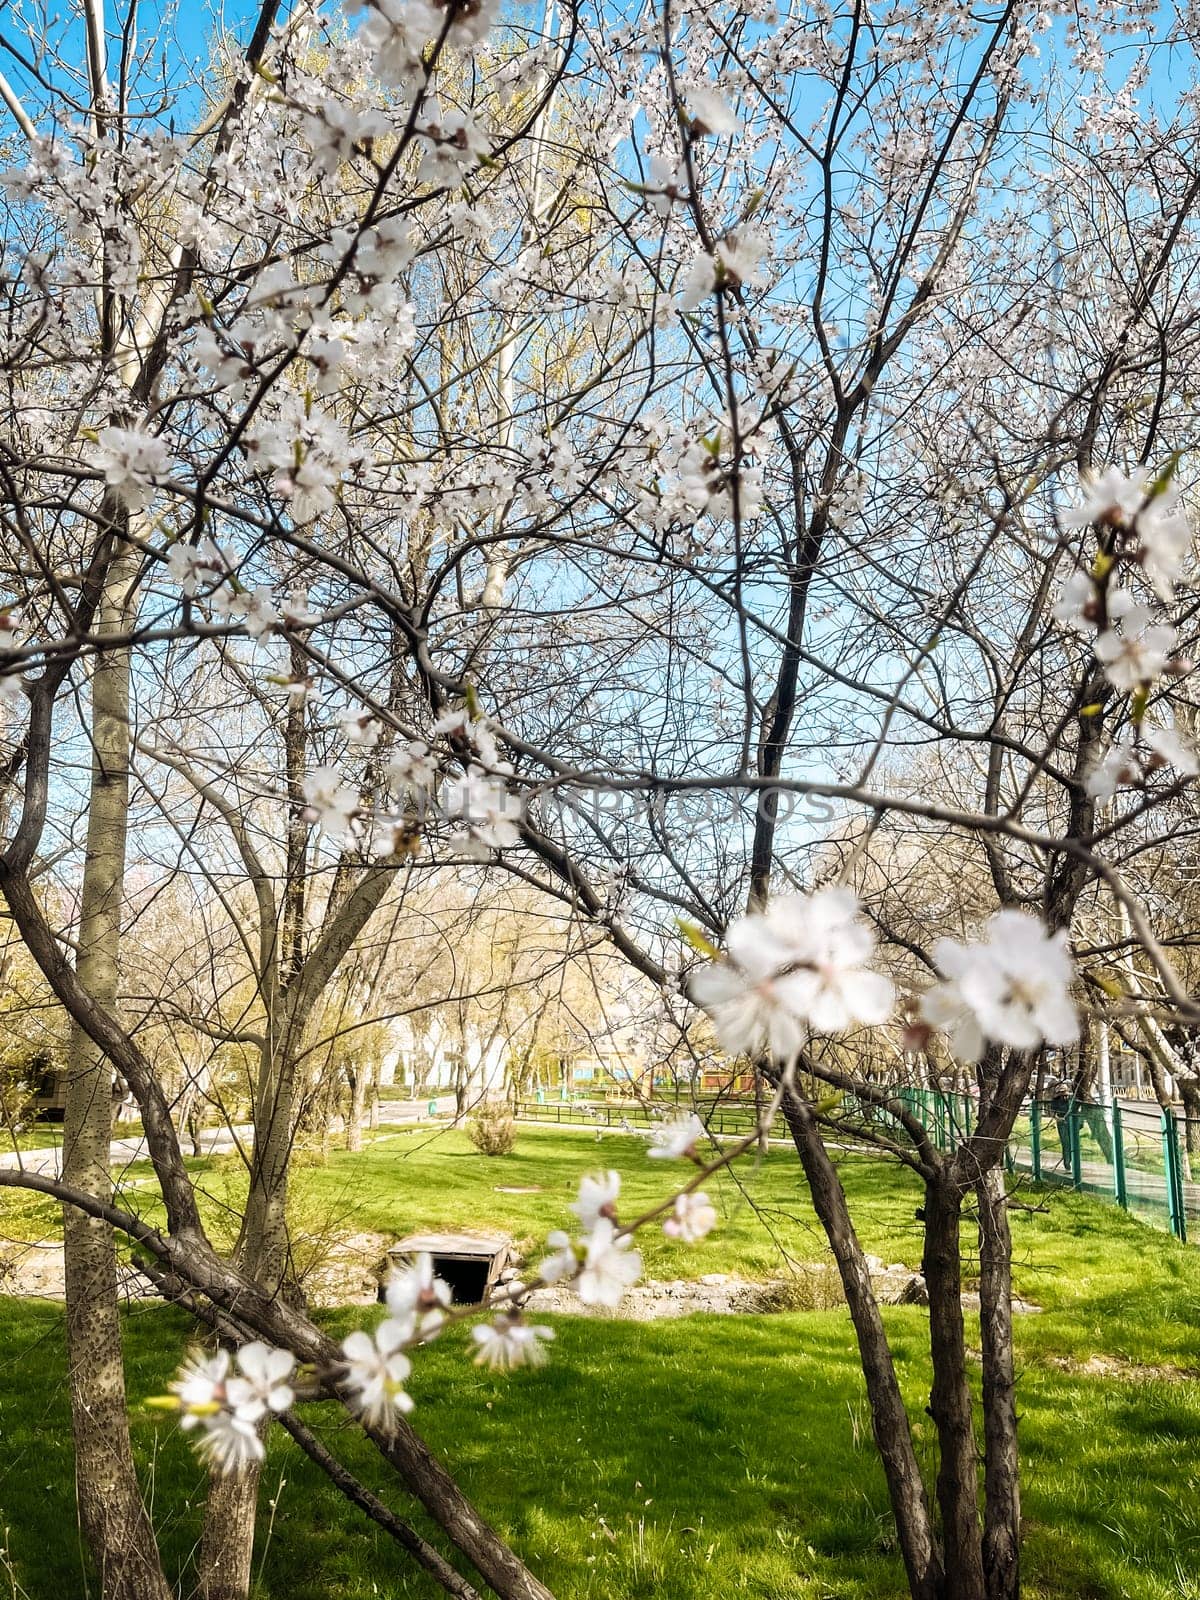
pixel 1133 1153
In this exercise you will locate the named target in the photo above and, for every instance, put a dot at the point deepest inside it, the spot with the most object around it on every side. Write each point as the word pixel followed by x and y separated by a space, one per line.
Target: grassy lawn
pixel 38 1136
pixel 692 1459
pixel 432 1178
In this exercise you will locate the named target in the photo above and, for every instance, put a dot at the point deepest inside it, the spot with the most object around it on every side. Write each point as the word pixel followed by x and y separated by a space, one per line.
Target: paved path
pixel 1144 1188
pixel 47 1162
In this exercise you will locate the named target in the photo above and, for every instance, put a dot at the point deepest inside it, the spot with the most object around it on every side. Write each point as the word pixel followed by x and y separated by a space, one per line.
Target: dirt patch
pixel 348 1272
pixel 1099 1366
pixel 655 1299
pixel 811 1288
pixel 36 1271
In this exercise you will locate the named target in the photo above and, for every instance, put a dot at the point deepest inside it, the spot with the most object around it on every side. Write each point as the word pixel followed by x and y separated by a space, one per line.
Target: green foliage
pixel 692 1459
pixel 492 1130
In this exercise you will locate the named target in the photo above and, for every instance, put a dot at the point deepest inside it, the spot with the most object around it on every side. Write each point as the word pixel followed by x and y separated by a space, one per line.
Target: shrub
pixel 492 1130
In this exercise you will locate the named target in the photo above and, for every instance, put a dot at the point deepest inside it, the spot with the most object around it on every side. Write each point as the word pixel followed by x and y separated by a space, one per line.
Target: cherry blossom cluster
pixel 797 968
pixel 801 968
pixel 11 692
pixel 228 1400
pixel 1011 988
pixel 474 798
pixel 1141 527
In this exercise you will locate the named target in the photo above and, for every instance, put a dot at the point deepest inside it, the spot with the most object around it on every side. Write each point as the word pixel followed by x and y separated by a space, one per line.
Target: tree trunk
pixel 356 1111
pixel 1189 1093
pixel 889 1419
pixel 230 1514
pixel 264 1248
pixel 115 1524
pixel 227 1544
pixel 950 1396
pixel 1001 1478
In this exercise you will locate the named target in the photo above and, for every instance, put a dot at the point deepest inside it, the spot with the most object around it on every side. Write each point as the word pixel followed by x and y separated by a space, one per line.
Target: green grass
pixel 684 1460
pixel 38 1136
pixel 428 1178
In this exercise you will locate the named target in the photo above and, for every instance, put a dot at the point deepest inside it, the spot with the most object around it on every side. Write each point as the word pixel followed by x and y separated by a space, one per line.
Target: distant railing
pixel 720 1118
pixel 1137 1157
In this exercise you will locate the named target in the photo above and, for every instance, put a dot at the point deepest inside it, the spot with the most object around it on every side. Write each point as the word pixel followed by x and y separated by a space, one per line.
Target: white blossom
pixel 667 184
pixel 200 1385
pixel 227 1408
pixel 800 965
pixel 563 1262
pixel 698 282
pixel 1164 542
pixel 1118 765
pixel 694 1216
pixel 709 112
pixel 945 1008
pixel 510 1342
pixel 416 1297
pixel 412 768
pixel 294 612
pixel 329 801
pixel 678 1137
pixel 463 731
pixel 376 1371
pixel 130 459
pixel 1137 655
pixel 260 1387
pixel 191 565
pixel 1110 496
pixel 597 1198
pixel 360 728
pixel 229 1441
pixel 1077 606
pixel 740 253
pixel 1127 501
pixel 1173 747
pixel 612 1265
pixel 12 692
pixel 253 609
pixel 487 809
pixel 1012 989
pixel 453 144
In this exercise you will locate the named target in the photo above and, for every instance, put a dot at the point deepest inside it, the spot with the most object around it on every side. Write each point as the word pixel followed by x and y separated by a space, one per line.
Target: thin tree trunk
pixel 226 1554
pixel 115 1524
pixel 950 1396
pixel 356 1111
pixel 889 1419
pixel 227 1544
pixel 1001 1477
pixel 1189 1093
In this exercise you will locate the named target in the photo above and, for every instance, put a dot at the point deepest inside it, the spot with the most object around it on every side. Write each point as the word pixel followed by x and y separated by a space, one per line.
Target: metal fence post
pixel 1035 1138
pixel 1118 1159
pixel 1073 1121
pixel 1174 1175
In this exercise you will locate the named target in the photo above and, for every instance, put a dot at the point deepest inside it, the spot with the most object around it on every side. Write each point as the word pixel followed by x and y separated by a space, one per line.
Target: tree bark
pixel 950 1395
pixel 227 1544
pixel 889 1419
pixel 114 1519
pixel 1001 1477
pixel 356 1111
pixel 226 1555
